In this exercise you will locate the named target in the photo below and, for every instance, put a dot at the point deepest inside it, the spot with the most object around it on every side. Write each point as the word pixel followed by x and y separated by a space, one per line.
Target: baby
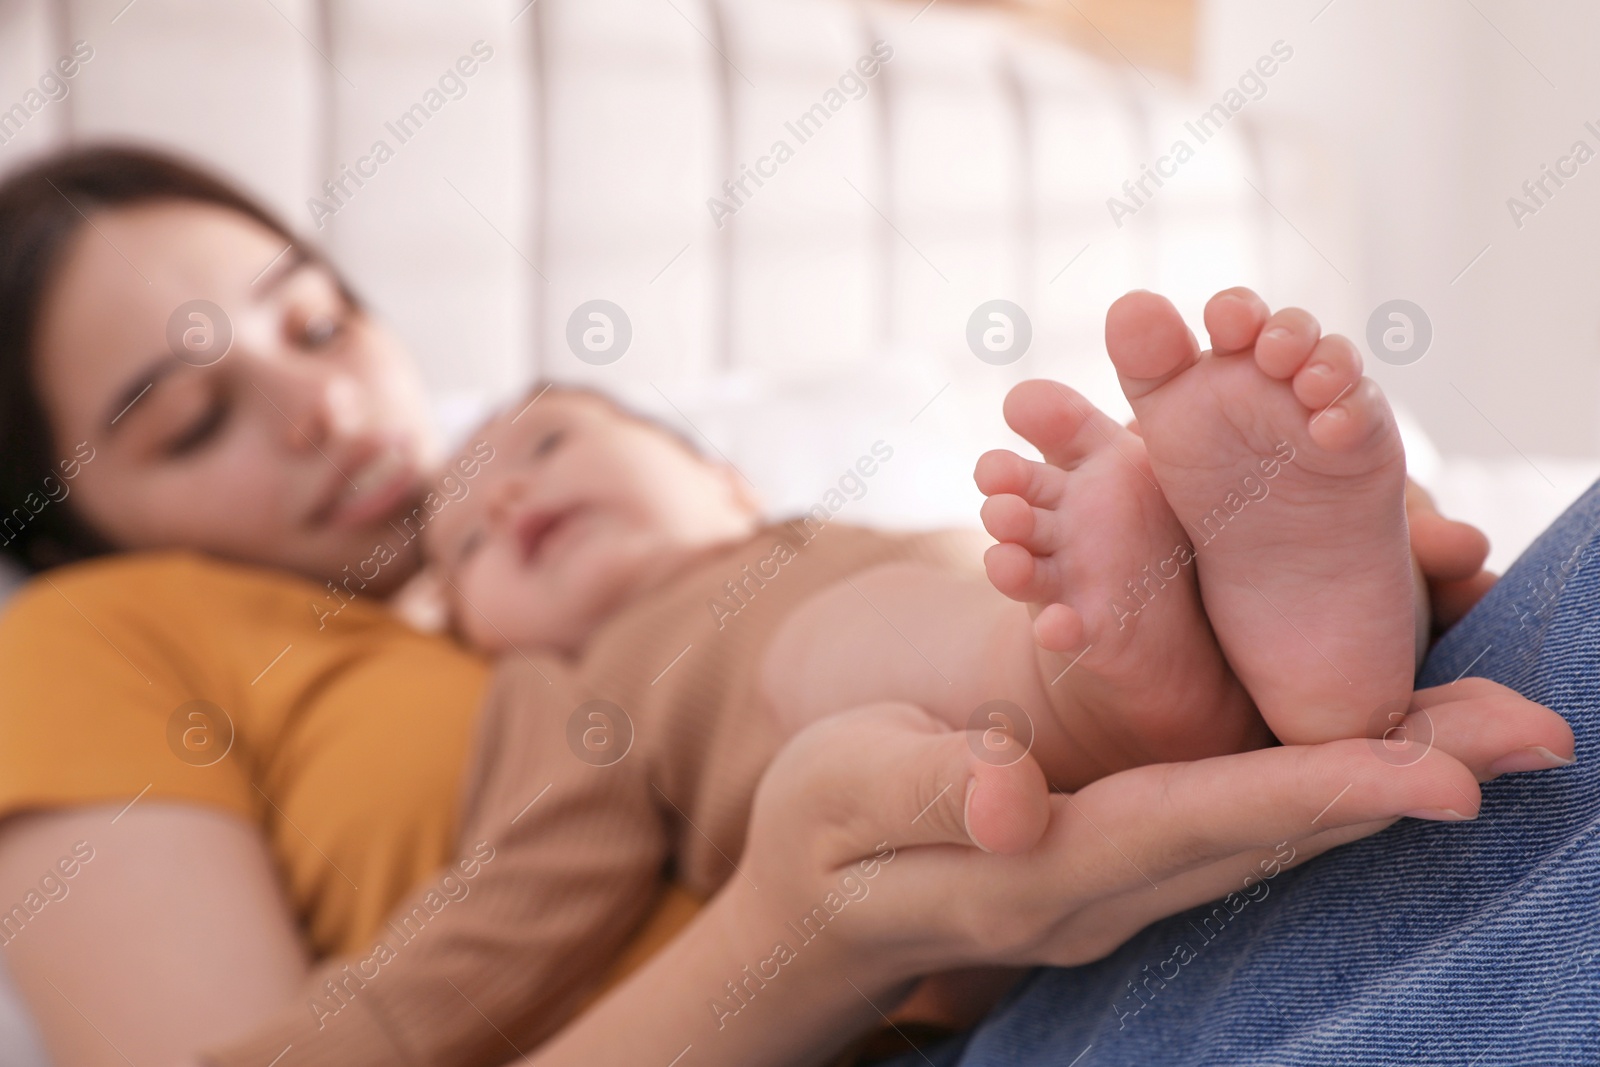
pixel 1260 507
pixel 1237 568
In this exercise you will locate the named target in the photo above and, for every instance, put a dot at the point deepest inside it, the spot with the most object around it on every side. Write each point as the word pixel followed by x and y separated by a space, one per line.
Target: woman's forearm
pixel 733 988
pixel 141 961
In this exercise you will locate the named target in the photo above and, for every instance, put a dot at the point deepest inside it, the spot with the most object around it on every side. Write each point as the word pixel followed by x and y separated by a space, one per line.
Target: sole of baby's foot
pixel 1286 468
pixel 1088 542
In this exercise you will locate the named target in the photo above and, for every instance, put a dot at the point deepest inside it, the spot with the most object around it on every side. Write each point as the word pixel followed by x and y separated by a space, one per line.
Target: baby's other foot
pixel 1286 468
pixel 1125 655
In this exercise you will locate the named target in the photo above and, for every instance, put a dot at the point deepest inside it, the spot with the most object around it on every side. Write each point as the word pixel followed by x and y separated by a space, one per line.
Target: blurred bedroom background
pixel 1341 155
pixel 791 307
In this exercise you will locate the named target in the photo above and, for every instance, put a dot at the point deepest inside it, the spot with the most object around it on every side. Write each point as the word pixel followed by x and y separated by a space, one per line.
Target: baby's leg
pixel 1120 667
pixel 1287 469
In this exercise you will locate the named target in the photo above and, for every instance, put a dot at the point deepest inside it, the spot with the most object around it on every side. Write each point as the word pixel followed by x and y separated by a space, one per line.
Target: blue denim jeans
pixel 1431 943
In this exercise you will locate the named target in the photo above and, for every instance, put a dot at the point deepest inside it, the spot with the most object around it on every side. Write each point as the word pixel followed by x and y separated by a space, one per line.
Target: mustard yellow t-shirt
pixel 350 731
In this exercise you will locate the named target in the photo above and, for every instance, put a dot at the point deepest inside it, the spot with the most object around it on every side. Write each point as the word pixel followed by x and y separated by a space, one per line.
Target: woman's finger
pixel 1452 600
pixel 1165 819
pixel 892 773
pixel 1450 555
pixel 1101 926
pixel 1429 766
pixel 1474 726
pixel 1125 850
pixel 1446 550
pixel 1493 730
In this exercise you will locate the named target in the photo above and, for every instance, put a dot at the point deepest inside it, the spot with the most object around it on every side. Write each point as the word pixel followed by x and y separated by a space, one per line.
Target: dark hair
pixel 42 207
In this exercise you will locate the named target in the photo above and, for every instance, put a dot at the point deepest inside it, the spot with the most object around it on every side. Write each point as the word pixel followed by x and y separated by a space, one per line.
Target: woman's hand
pixel 1450 555
pixel 1120 853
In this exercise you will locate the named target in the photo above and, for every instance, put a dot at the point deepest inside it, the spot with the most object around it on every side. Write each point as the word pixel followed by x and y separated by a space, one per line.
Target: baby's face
pixel 580 509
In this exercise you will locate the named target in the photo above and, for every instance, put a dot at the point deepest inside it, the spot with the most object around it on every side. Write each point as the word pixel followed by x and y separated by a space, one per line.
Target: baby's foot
pixel 1286 468
pixel 1126 656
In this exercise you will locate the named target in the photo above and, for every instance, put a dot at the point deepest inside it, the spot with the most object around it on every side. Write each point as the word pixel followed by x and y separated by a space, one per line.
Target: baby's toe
pixel 1015 572
pixel 1057 420
pixel 1058 628
pixel 1148 342
pixel 1012 520
pixel 1286 342
pixel 1334 367
pixel 1002 472
pixel 1352 420
pixel 1234 318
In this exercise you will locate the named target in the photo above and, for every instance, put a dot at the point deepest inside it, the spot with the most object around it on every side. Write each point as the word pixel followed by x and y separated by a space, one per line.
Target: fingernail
pixel 1532 758
pixel 1277 333
pixel 1322 370
pixel 1437 815
pixel 966 812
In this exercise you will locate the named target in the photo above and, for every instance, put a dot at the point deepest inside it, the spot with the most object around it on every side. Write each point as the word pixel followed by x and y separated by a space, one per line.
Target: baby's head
pixel 576 507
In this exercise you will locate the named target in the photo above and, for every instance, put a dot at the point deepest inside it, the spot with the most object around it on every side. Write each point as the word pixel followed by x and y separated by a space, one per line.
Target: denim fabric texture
pixel 1469 944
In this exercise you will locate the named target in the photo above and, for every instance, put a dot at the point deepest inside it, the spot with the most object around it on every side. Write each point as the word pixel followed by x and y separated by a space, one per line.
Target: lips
pixel 378 481
pixel 535 529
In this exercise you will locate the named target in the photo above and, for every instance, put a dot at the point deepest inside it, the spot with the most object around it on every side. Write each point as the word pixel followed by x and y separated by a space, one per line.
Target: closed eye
pixel 548 443
pixel 200 431
pixel 320 331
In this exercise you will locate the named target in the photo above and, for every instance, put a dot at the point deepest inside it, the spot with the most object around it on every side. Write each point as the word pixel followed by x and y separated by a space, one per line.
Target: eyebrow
pixel 281 268
pixel 272 278
pixel 532 402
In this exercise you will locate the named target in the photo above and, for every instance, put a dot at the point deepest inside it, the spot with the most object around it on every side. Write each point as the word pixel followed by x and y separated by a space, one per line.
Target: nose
pixel 316 402
pixel 505 495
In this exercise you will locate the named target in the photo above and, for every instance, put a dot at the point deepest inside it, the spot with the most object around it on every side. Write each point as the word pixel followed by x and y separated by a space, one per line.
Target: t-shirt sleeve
pixel 110 690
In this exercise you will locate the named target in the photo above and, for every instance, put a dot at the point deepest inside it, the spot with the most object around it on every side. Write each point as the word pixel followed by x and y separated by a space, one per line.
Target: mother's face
pixel 292 450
